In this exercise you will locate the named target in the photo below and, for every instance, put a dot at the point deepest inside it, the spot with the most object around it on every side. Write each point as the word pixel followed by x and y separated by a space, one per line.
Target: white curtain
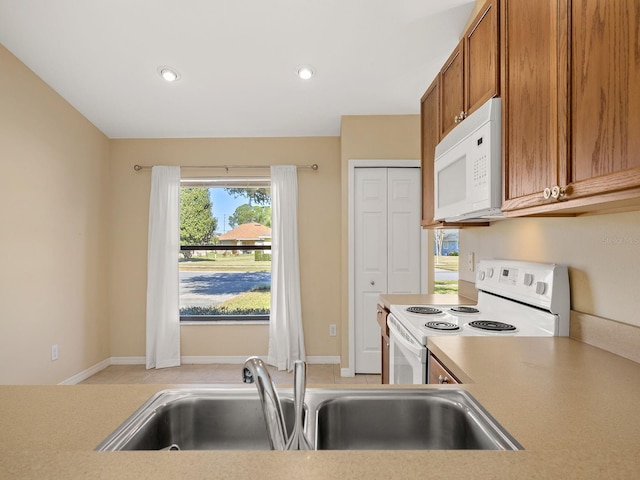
pixel 163 301
pixel 286 338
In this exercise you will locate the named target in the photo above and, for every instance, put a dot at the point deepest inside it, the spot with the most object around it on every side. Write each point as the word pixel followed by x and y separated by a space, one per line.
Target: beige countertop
pixel 424 299
pixel 574 408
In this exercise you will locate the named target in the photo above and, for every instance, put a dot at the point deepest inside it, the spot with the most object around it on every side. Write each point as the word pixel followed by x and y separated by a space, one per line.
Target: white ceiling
pixel 237 59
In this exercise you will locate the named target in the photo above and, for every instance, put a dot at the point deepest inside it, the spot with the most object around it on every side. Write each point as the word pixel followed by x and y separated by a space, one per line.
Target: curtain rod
pixel 137 168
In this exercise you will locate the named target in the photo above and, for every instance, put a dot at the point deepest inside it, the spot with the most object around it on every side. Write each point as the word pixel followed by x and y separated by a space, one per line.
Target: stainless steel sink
pixel 197 419
pixel 428 420
pixel 336 419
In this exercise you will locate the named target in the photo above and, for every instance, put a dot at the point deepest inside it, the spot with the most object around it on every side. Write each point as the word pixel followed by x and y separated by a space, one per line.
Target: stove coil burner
pixel 461 309
pixel 424 310
pixel 443 326
pixel 492 326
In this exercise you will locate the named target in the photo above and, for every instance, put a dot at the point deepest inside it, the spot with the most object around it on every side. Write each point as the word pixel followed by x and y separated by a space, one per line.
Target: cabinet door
pixel 534 88
pixel 429 125
pixel 605 108
pixel 452 90
pixel 481 58
pixel 383 313
pixel 439 374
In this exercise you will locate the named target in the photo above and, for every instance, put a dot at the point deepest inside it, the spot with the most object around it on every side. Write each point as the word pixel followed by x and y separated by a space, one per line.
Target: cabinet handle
pixel 442 380
pixel 463 115
pixel 456 119
pixel 555 192
pixel 372 283
pixel 558 192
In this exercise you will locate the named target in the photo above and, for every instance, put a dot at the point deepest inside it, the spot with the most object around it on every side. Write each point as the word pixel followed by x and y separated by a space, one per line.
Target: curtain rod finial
pixel 314 166
pixel 137 168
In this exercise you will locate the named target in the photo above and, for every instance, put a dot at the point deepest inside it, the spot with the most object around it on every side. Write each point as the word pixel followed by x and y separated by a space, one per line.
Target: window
pixel 446 256
pixel 225 250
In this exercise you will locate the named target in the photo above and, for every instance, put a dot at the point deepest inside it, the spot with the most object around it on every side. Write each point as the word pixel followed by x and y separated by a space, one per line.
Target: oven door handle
pixel 398 334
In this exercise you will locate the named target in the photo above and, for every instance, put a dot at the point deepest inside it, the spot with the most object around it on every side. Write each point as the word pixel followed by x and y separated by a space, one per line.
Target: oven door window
pixel 405 367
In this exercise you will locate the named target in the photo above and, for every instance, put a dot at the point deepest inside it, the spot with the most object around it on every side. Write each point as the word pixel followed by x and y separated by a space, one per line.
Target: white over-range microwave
pixel 467 174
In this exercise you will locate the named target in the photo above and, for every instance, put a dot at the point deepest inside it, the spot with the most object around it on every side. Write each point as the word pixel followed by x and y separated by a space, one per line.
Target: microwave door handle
pixel 419 351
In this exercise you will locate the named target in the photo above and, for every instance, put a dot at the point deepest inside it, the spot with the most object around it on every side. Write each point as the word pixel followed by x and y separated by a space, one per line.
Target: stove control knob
pixel 490 272
pixel 481 275
pixel 528 279
pixel 541 288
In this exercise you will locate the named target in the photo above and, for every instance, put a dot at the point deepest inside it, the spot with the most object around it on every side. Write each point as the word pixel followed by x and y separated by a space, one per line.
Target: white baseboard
pixel 83 375
pixel 206 360
pixel 128 360
pixel 327 359
pixel 347 372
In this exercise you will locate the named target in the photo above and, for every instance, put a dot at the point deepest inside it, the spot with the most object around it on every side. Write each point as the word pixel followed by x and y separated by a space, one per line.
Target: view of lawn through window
pixel 446 251
pixel 225 252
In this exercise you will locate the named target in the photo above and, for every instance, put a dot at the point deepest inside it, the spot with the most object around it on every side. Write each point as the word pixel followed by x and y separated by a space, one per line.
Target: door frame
pixel 352 165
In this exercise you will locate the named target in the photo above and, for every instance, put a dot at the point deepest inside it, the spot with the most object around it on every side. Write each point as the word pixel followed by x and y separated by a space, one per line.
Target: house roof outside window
pixel 254 232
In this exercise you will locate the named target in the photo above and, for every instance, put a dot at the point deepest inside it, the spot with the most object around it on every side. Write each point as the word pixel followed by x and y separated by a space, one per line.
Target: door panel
pixel 404 231
pixel 370 209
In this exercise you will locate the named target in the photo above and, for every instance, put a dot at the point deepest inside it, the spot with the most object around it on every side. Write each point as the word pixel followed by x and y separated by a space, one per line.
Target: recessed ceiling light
pixel 168 73
pixel 305 72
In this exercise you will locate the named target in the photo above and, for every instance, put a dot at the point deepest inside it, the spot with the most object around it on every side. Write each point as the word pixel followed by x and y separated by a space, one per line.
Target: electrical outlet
pixel 332 330
pixel 471 261
pixel 54 352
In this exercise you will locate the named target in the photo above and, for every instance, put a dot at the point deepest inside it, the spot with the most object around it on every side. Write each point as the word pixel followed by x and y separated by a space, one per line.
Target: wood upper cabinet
pixel 571 105
pixel 534 95
pixel 481 57
pixel 471 74
pixel 605 106
pixel 429 111
pixel 452 90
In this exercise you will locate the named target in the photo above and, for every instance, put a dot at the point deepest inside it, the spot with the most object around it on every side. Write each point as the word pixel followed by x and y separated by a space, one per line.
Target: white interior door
pixel 387 250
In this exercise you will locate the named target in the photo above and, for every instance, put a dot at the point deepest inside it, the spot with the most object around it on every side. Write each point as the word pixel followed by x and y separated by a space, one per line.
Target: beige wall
pixel 53 249
pixel 369 137
pixel 602 252
pixel 319 232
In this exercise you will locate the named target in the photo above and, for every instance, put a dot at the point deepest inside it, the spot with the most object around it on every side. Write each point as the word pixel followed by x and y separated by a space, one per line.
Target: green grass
pixel 446 286
pixel 446 262
pixel 255 302
pixel 248 301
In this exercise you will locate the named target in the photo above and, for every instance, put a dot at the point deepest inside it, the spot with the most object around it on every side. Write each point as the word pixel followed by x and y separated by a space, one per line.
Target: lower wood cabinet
pixel 439 374
pixel 383 313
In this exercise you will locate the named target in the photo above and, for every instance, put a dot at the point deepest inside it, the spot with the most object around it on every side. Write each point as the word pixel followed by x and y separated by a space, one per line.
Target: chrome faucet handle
pixel 255 371
pixel 298 440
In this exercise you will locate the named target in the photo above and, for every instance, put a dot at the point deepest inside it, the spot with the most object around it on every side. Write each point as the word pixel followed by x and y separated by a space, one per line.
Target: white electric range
pixel 514 299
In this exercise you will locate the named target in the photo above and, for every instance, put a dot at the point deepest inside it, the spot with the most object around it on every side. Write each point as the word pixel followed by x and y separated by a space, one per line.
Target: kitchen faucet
pixel 255 371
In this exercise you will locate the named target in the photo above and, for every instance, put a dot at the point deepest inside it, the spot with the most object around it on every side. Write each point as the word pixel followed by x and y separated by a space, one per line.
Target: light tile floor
pixel 220 373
